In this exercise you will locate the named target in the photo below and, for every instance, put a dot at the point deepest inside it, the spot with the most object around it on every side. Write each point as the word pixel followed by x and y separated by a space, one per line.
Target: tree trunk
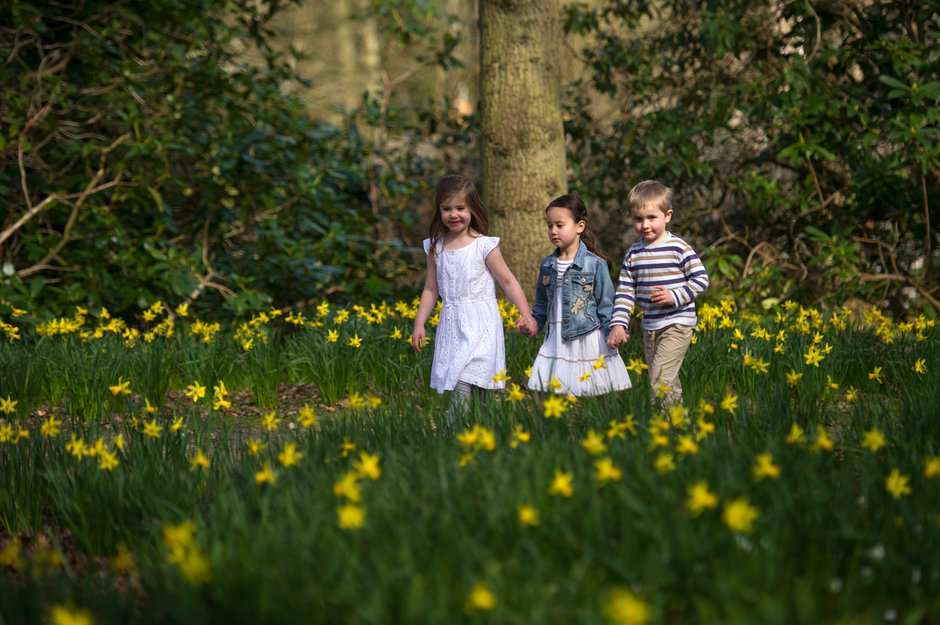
pixel 523 142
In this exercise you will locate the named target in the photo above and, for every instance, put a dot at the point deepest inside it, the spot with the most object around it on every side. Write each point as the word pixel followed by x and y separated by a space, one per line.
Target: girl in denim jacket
pixel 574 297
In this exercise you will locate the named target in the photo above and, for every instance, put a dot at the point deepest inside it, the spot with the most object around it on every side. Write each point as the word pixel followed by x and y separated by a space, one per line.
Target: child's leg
pixel 665 349
pixel 463 397
pixel 459 401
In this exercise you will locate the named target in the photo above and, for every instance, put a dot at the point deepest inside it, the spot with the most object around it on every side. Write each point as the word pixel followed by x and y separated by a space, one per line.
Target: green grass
pixel 829 544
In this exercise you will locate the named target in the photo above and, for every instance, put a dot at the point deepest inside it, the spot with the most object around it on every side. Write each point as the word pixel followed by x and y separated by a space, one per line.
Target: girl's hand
pixel 662 297
pixel 418 339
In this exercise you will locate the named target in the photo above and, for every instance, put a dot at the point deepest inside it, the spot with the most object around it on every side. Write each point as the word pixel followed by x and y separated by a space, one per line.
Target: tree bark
pixel 522 139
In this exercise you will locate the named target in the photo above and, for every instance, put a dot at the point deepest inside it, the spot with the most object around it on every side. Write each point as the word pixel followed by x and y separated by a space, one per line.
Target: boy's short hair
pixel 650 193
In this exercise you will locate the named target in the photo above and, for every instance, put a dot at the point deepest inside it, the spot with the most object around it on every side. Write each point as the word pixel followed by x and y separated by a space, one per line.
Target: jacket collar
pixel 579 256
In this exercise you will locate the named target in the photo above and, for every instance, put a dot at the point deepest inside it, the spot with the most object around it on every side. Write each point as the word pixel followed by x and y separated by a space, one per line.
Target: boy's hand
pixel 617 337
pixel 662 297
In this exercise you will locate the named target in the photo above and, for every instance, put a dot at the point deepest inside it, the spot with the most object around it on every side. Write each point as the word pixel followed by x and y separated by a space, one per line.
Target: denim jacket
pixel 587 296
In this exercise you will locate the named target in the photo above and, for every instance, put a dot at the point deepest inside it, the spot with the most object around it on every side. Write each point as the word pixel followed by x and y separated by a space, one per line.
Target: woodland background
pixel 240 154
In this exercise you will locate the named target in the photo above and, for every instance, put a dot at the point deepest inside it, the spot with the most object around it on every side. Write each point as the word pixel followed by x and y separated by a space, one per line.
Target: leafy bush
pixel 802 140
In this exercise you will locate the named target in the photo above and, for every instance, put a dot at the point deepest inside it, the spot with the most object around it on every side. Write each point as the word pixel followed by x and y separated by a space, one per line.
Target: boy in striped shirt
pixel 661 275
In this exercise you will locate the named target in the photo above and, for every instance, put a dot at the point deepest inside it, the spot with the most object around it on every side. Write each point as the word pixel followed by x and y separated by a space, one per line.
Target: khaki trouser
pixel 665 348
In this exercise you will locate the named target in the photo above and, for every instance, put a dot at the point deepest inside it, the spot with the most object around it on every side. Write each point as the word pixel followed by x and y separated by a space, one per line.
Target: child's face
pixel 563 231
pixel 456 215
pixel 650 223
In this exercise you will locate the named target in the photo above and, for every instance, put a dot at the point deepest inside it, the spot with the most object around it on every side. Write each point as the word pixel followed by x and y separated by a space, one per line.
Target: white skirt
pixel 582 366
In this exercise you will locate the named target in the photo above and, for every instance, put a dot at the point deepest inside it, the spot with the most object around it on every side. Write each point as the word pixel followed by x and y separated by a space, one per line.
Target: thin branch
pixel 896 277
pixel 20 157
pixel 809 5
pixel 927 234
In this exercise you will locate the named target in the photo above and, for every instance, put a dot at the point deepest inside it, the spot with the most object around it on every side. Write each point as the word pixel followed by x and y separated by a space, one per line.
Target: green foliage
pixel 145 158
pixel 831 542
pixel 802 138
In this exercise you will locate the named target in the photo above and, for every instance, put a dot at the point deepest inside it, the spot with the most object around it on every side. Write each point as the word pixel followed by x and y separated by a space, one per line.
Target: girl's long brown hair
pixel 578 210
pixel 446 188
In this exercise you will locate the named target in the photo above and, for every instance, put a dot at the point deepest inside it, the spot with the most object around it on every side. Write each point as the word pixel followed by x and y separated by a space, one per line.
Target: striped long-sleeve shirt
pixel 672 264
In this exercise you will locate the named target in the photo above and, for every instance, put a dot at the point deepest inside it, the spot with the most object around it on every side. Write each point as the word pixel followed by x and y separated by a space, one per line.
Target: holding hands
pixel 527 325
pixel 617 337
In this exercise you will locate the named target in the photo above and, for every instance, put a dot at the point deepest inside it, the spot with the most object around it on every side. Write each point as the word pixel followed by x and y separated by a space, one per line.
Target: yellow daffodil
pixel 255 447
pixel 107 460
pixel 367 466
pixel 700 498
pixel 177 424
pixel 599 363
pixel 704 428
pixel 873 439
pixel 764 467
pixel 554 407
pixel 153 429
pixel 519 437
pixel 502 376
pixel 605 471
pixel 730 403
pixel 739 515
pixel 63 615
pixel 50 427
pixel 637 366
pixel 619 429
pixel 794 377
pixel 289 455
pixel 148 407
pixel 593 443
pixel 664 463
pixel 796 434
pixel 920 366
pixel 481 599
pixel 351 516
pixel 623 607
pixel 528 515
pixel 121 388
pixel 686 445
pixel 931 467
pixel 195 391
pixel 348 487
pixel 515 393
pixel 823 442
pixel 199 461
pixel 355 341
pixel 265 475
pixel 562 484
pixel 876 375
pixel 813 356
pixel 270 421
pixel 332 336
pixel 307 418
pixel 897 484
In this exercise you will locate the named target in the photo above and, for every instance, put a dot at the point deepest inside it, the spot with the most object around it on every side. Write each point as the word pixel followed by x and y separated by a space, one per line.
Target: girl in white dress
pixel 574 297
pixel 462 262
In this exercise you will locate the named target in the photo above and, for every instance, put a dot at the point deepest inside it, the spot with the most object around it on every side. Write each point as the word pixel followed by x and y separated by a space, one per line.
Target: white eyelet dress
pixel 468 343
pixel 576 363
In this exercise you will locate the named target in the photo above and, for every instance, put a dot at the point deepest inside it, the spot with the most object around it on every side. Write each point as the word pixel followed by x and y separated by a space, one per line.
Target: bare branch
pixel 20 157
pixel 896 277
